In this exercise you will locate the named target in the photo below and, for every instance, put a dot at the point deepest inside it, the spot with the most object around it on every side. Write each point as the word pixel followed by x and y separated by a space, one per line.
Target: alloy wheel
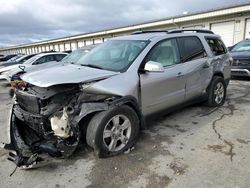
pixel 117 133
pixel 219 93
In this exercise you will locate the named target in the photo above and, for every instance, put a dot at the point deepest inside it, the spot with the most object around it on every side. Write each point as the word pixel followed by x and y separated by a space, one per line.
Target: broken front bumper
pixel 31 139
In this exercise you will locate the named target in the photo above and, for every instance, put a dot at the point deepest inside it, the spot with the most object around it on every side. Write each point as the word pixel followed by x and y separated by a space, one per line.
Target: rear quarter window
pixel 216 46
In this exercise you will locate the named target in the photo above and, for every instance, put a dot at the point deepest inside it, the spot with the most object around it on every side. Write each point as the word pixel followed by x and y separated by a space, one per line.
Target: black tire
pixel 99 121
pixel 211 101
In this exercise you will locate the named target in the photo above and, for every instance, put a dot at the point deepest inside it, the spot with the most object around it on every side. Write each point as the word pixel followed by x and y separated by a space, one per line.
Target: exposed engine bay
pixel 47 121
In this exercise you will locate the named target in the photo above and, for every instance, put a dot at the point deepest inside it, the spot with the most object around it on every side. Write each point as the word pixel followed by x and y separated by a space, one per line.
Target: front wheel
pixel 216 92
pixel 113 131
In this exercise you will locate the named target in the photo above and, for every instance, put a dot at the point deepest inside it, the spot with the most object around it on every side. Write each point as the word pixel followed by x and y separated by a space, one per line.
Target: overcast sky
pixel 25 21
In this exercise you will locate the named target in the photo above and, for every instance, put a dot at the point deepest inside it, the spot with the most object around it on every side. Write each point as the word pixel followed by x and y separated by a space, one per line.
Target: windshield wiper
pixel 92 66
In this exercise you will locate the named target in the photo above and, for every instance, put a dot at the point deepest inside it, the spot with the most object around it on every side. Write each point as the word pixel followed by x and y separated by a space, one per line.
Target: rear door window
pixel 191 48
pixel 59 57
pixel 44 59
pixel 216 46
pixel 49 58
pixel 40 61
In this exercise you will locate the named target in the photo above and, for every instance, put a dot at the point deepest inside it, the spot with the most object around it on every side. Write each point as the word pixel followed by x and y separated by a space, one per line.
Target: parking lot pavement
pixel 195 147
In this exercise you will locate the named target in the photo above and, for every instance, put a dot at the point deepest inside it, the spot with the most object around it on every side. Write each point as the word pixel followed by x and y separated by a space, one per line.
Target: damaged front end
pixel 45 121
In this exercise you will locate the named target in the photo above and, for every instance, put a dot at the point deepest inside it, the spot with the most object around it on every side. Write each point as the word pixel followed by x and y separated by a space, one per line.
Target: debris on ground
pixel 178 167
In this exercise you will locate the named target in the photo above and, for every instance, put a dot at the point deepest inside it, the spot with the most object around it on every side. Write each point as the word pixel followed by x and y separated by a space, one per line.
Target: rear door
pixel 161 90
pixel 195 70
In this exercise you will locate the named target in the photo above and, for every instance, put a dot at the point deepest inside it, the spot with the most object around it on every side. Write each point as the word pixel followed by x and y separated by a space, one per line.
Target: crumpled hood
pixel 65 74
pixel 29 68
pixel 240 55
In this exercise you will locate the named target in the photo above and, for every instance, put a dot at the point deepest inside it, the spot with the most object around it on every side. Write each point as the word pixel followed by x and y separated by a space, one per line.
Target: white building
pixel 232 23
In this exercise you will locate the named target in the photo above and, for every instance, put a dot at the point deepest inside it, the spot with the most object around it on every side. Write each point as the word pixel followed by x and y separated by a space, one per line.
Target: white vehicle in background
pixel 73 57
pixel 16 61
pixel 35 62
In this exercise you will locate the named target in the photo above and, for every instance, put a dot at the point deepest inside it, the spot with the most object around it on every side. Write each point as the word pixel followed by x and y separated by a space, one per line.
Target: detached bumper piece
pixel 33 142
pixel 25 162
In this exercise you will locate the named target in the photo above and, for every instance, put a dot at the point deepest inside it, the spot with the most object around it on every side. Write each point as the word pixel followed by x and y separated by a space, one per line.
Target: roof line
pixel 123 27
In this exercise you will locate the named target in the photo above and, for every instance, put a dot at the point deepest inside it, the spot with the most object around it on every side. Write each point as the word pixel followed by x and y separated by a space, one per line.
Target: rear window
pixel 216 46
pixel 191 48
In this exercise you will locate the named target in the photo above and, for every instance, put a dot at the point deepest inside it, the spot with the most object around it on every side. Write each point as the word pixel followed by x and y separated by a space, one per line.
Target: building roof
pixel 236 8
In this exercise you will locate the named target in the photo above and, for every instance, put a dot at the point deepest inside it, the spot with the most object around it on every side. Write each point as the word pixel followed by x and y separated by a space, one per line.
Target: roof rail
pixel 149 31
pixel 173 31
pixel 191 30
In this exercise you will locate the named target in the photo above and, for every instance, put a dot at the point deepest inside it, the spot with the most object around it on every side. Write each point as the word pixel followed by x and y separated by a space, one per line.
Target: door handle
pixel 206 65
pixel 179 75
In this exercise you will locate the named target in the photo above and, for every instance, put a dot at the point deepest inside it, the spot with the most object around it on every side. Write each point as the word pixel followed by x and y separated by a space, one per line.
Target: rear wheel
pixel 216 92
pixel 113 131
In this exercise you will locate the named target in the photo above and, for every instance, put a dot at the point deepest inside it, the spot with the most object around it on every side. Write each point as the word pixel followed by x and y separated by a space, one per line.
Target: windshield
pixel 242 46
pixel 21 58
pixel 114 55
pixel 74 56
pixel 14 58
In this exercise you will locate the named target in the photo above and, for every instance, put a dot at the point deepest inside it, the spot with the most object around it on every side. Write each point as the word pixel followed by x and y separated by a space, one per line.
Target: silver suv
pixel 105 97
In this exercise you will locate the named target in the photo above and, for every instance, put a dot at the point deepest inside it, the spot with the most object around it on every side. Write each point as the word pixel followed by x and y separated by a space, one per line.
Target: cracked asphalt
pixel 193 147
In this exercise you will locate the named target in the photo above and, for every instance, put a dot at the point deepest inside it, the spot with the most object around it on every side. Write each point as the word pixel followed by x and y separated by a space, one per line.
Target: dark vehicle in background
pixel 241 59
pixel 18 60
pixel 7 57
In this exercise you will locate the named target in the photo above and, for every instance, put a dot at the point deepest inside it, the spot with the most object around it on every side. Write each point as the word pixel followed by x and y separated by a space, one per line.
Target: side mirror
pixel 229 48
pixel 152 66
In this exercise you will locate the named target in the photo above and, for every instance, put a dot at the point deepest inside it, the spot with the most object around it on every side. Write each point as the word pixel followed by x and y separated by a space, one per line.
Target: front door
pixel 161 90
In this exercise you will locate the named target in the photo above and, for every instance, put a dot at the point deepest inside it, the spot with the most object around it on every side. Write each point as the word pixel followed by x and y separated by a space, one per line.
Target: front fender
pixel 88 108
pixel 91 107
